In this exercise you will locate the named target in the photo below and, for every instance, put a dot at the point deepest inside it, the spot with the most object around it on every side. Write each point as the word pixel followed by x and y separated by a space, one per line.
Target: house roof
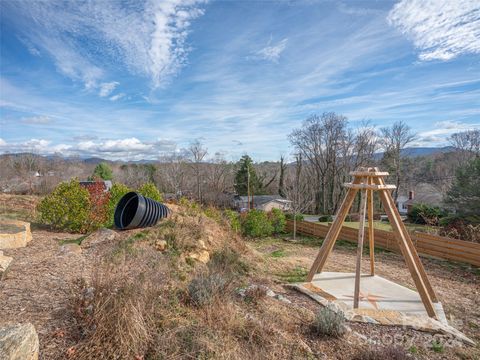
pixel 426 194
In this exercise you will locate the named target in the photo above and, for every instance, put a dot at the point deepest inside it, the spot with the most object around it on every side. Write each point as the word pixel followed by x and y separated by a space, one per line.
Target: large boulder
pixel 98 237
pixel 14 234
pixel 19 342
pixel 4 263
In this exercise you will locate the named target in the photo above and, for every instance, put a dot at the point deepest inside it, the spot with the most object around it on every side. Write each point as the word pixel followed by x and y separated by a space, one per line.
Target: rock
pixel 202 256
pixel 201 245
pixel 70 249
pixel 161 245
pixel 4 263
pixel 98 237
pixel 14 234
pixel 282 298
pixel 19 342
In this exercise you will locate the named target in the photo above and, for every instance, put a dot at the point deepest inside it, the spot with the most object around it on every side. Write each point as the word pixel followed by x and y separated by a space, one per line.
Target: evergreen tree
pixel 464 195
pixel 102 171
pixel 244 167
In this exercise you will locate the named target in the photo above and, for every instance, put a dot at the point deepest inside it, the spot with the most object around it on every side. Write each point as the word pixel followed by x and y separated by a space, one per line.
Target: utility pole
pixel 248 186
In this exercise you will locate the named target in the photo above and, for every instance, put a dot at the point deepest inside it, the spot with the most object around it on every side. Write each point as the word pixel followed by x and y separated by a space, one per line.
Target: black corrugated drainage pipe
pixel 137 211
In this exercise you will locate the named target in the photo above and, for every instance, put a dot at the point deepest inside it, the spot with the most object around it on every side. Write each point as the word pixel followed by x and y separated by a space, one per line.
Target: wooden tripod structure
pixel 368 180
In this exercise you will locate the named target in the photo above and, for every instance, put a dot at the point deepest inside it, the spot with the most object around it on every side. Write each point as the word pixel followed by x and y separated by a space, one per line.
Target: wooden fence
pixel 426 244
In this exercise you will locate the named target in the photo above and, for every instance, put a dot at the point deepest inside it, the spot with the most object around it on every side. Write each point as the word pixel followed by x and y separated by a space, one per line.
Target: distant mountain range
pixel 411 152
pixel 414 152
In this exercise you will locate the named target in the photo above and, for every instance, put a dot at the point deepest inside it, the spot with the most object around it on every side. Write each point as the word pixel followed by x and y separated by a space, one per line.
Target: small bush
pixel 382 353
pixel 256 224
pixel 66 208
pixel 425 214
pixel 116 193
pixel 326 218
pixel 204 288
pixel 329 323
pixel 277 219
pixel 299 217
pixel 233 219
pixel 99 203
pixel 213 213
pixel 150 191
pixel 228 261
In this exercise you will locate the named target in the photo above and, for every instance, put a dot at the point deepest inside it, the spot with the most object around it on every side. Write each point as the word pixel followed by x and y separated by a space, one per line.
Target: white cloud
pixel 271 52
pixel 117 97
pixel 442 130
pixel 148 38
pixel 440 29
pixel 107 88
pixel 115 149
pixel 40 119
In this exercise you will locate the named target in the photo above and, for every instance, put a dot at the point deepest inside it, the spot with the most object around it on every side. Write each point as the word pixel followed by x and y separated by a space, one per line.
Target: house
pixel 401 200
pixel 106 183
pixel 262 202
pixel 424 194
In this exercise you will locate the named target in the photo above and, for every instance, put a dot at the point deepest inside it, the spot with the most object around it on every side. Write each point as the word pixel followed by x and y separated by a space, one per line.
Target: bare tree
pixel 174 172
pixel 393 140
pixel 322 141
pixel 198 153
pixel 297 191
pixel 467 144
pixel 281 178
pixel 24 166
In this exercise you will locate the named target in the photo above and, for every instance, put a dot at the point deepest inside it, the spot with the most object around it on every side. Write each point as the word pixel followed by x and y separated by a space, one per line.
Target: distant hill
pixel 411 152
pixel 414 152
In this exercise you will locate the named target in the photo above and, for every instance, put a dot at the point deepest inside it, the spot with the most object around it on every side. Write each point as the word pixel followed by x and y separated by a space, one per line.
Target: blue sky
pixel 131 80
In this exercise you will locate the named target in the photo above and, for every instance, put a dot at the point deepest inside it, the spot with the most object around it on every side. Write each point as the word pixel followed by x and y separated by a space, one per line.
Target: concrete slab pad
pixel 376 293
pixel 381 302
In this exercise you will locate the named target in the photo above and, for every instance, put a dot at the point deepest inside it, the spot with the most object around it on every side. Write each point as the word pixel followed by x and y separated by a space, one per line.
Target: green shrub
pixel 213 213
pixel 256 224
pixel 277 219
pixel 66 208
pixel 102 171
pixel 299 217
pixel 329 323
pixel 116 193
pixel 326 218
pixel 425 214
pixel 233 219
pixel 150 191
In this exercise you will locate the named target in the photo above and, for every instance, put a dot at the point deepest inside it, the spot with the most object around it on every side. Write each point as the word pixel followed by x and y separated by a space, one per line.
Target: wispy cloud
pixel 147 38
pixel 443 129
pixel 40 120
pixel 107 88
pixel 271 52
pixel 117 97
pixel 440 29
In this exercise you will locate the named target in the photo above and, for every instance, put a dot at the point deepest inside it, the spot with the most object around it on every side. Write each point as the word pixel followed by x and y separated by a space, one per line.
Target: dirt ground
pixel 456 285
pixel 38 288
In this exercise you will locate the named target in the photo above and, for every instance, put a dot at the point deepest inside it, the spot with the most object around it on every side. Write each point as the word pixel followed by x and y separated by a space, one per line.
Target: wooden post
pixel 411 247
pixel 333 232
pixel 361 235
pixel 371 230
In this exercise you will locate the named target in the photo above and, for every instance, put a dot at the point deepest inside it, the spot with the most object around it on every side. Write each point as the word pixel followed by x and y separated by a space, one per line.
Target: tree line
pixel 326 148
